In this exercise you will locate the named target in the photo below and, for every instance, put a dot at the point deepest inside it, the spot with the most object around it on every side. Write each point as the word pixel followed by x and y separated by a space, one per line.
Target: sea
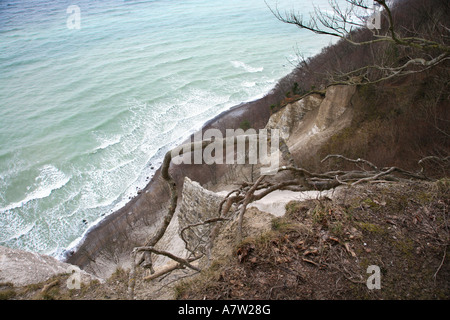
pixel 93 93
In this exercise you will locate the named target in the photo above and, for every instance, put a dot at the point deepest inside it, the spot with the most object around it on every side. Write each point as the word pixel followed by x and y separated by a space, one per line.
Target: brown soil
pixel 321 249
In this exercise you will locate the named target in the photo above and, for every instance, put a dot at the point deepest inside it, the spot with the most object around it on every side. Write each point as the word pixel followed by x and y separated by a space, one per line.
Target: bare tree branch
pixel 343 22
pixel 247 200
pixel 186 262
pixel 370 164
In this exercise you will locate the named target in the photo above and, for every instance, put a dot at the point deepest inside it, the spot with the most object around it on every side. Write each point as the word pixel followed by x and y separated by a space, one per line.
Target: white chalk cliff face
pixel 197 205
pixel 292 115
pixel 22 268
pixel 306 124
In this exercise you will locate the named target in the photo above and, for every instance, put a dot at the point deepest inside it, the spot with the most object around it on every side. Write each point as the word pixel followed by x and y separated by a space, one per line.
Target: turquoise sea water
pixel 86 114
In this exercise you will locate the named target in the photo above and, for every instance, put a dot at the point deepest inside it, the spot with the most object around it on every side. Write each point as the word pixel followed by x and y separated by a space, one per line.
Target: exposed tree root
pixel 241 197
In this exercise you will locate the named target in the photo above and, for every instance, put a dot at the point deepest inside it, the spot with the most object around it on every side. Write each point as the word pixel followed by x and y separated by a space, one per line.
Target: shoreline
pixel 104 233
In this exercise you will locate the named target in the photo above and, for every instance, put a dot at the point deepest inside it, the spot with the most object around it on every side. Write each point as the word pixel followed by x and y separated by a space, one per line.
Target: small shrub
pixel 7 294
pixel 295 88
pixel 245 125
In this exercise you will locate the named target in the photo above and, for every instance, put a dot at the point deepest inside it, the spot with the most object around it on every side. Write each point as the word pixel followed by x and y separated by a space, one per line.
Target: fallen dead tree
pixel 235 203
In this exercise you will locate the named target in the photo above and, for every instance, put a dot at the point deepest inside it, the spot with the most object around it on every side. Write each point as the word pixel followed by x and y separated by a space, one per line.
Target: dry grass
pixel 321 250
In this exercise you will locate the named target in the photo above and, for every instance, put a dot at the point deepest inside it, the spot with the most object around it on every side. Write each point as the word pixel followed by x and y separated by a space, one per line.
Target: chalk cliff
pixel 22 268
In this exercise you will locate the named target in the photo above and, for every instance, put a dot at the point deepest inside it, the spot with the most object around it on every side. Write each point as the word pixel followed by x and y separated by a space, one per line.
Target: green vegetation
pixel 245 125
pixel 7 291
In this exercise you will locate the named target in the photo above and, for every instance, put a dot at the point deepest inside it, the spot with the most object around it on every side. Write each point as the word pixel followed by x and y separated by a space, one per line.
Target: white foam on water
pixel 106 142
pixel 246 67
pixel 20 233
pixel 49 180
pixel 248 84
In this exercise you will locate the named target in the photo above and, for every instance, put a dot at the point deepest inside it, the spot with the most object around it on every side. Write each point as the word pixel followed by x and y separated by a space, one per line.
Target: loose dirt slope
pixel 321 249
